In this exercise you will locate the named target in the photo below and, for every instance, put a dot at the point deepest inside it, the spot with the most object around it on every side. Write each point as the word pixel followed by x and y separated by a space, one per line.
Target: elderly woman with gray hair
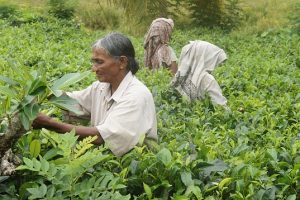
pixel 120 107
pixel 157 52
pixel 193 79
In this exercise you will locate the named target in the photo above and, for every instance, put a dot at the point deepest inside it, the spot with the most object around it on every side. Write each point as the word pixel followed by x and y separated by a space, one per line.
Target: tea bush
pixel 7 11
pixel 204 152
pixel 217 13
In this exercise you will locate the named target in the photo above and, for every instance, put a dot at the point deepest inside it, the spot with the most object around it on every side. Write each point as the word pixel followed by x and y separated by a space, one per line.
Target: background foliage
pixel 133 17
pixel 251 152
pixel 61 9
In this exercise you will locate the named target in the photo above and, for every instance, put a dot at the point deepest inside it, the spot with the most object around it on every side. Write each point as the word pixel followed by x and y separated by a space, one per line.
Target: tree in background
pixel 7 11
pixel 61 9
pixel 215 13
pixel 208 13
pixel 135 16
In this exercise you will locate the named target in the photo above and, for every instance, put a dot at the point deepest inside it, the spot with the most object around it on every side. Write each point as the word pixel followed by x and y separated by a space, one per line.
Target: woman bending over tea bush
pixel 157 51
pixel 193 78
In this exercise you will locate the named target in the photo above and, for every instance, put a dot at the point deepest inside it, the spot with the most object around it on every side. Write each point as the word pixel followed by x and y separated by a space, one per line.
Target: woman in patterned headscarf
pixel 157 51
pixel 193 78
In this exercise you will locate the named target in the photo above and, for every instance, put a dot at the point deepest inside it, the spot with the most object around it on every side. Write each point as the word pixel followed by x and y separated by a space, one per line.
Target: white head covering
pixel 197 60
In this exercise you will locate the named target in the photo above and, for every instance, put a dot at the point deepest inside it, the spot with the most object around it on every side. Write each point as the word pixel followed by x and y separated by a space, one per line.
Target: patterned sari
pixel 156 40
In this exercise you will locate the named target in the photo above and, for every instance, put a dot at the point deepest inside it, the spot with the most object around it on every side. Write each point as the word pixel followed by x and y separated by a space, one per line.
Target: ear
pixel 123 62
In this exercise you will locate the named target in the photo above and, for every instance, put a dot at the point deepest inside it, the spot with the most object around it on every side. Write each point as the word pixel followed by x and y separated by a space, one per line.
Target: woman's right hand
pixel 41 121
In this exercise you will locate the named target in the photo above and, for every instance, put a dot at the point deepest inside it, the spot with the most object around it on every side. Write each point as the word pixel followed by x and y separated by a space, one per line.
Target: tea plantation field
pixel 204 152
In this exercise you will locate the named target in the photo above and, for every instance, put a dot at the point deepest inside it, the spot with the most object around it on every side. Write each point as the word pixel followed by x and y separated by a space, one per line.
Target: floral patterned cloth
pixel 156 43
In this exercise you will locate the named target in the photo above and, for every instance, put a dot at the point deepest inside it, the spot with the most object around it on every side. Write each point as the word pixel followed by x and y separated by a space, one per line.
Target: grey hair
pixel 116 44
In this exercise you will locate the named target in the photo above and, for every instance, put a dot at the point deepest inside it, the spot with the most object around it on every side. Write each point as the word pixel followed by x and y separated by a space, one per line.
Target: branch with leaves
pixel 24 98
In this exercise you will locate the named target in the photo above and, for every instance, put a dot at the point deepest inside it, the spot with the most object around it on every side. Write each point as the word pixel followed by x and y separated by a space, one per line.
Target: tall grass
pixel 260 15
pixel 96 14
pixel 32 5
pixel 263 15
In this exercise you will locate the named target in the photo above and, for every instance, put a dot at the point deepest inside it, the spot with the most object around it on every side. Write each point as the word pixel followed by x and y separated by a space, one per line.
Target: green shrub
pixel 61 9
pixel 206 12
pixel 16 17
pixel 215 13
pixel 295 19
pixel 232 15
pixel 26 18
pixel 249 153
pixel 7 11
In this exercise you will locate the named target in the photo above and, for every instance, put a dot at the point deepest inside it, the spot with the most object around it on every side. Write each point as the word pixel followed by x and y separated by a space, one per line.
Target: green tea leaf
pixel 27 100
pixel 6 104
pixel 31 110
pixel 186 178
pixel 38 192
pixel 68 79
pixel 36 164
pixel 37 87
pixel 8 91
pixel 51 153
pixel 28 162
pixel 224 182
pixel 291 197
pixel 57 93
pixel 25 120
pixel 272 154
pixel 35 148
pixel 147 190
pixel 8 80
pixel 196 191
pixel 67 103
pixel 181 197
pixel 44 165
pixel 164 156
pixel 217 166
pixel 23 189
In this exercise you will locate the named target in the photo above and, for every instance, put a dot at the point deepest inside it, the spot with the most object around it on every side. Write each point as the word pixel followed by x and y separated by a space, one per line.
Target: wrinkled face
pixel 106 67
